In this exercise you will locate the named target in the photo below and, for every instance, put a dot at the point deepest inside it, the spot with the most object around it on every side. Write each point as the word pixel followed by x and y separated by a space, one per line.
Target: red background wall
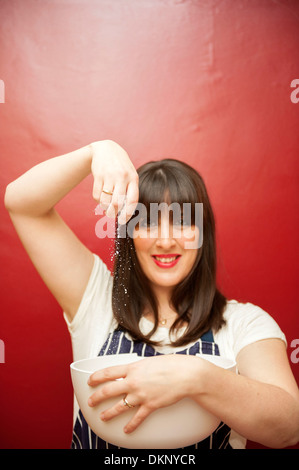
pixel 204 81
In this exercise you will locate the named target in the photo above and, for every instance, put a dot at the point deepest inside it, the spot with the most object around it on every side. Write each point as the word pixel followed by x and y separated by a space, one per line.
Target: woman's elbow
pixel 286 441
pixel 14 200
pixel 9 197
pixel 284 436
pixel 293 438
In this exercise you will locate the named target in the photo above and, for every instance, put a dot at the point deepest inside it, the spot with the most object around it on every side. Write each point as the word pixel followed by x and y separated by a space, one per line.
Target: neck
pixel 163 295
pixel 167 314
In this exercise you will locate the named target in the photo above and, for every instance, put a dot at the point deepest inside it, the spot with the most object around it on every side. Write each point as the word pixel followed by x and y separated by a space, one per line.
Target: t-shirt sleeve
pixel 94 317
pixel 250 323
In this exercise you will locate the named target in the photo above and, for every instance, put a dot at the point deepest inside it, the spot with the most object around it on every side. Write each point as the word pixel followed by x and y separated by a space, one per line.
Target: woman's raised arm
pixel 61 259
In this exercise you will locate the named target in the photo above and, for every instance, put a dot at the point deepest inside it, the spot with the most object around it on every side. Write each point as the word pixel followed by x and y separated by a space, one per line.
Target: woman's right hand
pixel 61 259
pixel 114 172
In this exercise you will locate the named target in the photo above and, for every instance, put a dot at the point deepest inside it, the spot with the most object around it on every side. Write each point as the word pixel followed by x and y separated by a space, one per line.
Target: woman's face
pixel 163 253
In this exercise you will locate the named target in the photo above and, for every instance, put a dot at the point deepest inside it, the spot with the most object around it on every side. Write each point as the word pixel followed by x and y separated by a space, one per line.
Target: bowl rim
pixel 75 365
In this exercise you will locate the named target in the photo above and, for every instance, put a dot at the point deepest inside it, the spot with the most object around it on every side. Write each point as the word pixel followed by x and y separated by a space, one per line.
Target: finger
pixel 105 199
pixel 119 408
pixel 109 373
pixel 111 389
pixel 131 201
pixel 97 188
pixel 117 200
pixel 132 196
pixel 141 414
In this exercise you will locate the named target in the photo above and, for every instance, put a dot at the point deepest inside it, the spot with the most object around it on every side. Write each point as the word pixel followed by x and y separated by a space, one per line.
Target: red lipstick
pixel 166 260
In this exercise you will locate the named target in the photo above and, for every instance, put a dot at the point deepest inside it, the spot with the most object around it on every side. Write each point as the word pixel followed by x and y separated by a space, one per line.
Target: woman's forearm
pixel 43 186
pixel 258 411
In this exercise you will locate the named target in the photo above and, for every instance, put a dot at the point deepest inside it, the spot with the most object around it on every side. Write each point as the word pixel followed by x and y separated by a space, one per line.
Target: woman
pixel 161 299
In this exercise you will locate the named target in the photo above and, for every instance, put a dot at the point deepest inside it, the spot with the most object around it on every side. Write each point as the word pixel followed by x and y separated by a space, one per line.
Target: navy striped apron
pixel 118 343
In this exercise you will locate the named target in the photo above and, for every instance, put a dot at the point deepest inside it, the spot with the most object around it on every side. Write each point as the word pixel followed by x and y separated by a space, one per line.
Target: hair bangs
pixel 167 184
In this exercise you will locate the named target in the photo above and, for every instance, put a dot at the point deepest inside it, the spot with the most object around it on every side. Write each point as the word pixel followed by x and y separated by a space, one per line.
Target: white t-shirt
pixel 245 324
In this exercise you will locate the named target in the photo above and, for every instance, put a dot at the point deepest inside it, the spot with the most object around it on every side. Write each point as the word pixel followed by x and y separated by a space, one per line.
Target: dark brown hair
pixel 196 299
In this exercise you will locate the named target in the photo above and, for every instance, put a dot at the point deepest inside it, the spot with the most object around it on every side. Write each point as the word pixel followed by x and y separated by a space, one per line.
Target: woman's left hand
pixel 151 383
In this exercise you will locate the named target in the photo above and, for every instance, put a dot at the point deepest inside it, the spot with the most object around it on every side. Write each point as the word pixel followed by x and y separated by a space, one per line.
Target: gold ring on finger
pixel 126 403
pixel 107 192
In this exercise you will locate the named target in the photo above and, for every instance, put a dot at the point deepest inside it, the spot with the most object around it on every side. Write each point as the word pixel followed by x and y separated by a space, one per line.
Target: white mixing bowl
pixel 175 426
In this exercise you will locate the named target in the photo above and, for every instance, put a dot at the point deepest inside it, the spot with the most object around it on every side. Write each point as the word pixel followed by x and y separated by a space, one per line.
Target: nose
pixel 165 243
pixel 165 239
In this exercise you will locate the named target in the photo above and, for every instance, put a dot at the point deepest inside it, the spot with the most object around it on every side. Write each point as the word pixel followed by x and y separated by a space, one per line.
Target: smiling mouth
pixel 166 260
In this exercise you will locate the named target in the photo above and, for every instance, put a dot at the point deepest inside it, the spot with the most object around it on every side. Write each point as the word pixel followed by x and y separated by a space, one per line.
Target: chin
pixel 165 283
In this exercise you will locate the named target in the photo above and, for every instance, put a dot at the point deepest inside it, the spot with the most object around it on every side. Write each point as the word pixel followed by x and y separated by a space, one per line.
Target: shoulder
pixel 99 285
pixel 101 270
pixel 95 305
pixel 239 313
pixel 246 323
pixel 94 319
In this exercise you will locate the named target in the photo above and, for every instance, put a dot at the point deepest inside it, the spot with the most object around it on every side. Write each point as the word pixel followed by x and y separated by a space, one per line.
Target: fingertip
pixel 90 402
pixel 98 210
pixel 122 218
pixel 89 380
pixel 129 428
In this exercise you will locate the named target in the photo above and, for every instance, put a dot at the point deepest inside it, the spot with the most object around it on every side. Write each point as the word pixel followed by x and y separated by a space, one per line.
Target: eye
pixel 147 223
pixel 181 222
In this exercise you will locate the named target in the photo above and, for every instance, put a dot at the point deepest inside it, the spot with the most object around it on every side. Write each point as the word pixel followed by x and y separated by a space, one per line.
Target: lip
pixel 166 265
